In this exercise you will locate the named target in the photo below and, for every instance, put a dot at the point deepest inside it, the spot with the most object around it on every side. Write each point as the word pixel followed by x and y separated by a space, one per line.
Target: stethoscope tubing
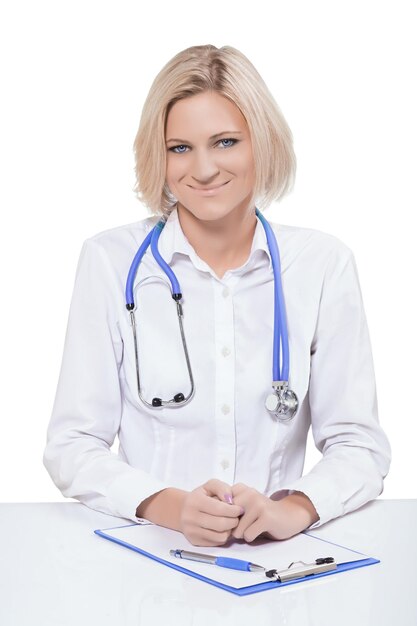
pixel 130 301
pixel 176 289
pixel 280 321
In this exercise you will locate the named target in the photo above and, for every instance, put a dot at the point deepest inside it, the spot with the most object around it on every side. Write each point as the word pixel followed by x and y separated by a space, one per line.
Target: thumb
pixel 218 488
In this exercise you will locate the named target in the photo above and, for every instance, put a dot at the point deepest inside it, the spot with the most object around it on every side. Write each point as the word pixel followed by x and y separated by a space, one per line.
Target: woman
pixel 216 463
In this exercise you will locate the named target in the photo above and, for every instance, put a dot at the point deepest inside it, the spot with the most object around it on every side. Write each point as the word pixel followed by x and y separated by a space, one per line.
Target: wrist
pixel 163 508
pixel 302 508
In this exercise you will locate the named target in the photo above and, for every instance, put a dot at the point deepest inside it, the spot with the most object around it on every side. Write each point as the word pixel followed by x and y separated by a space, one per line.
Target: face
pixel 210 167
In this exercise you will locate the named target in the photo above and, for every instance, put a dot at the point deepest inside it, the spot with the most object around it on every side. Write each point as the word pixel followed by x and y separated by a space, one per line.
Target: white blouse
pixel 225 431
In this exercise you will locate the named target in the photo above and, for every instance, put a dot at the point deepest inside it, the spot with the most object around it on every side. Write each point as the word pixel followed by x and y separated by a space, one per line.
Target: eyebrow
pixel 231 132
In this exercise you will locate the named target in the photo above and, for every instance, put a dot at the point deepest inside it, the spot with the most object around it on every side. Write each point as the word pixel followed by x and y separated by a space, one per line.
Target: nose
pixel 203 169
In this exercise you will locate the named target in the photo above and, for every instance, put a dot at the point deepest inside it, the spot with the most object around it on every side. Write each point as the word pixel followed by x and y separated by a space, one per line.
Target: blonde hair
pixel 228 72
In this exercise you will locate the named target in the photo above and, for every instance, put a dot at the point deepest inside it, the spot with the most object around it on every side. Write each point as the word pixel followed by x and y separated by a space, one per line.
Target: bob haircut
pixel 228 72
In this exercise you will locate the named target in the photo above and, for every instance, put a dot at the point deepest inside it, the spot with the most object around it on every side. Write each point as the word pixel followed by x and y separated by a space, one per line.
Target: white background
pixel 74 77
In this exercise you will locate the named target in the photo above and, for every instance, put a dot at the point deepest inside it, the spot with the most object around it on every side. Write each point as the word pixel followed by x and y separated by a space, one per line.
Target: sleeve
pixel 343 401
pixel 88 403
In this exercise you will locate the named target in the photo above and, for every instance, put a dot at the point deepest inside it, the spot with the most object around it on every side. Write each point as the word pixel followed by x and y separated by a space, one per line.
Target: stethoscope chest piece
pixel 283 403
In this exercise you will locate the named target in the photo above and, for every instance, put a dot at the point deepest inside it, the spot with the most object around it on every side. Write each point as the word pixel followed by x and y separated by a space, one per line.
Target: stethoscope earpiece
pixel 179 397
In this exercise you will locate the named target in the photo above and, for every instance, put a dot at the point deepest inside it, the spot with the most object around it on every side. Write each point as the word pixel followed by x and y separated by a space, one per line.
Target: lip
pixel 209 191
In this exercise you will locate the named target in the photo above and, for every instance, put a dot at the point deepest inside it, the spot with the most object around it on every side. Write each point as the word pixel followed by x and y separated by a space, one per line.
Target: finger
pixel 211 506
pixel 253 531
pixel 223 491
pixel 238 489
pixel 208 537
pixel 245 522
pixel 217 523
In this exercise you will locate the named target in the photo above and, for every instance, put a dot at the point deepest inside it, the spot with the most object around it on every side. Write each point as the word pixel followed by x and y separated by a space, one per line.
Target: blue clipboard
pixel 322 546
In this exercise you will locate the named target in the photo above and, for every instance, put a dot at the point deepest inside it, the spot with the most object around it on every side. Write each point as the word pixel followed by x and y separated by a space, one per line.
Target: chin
pixel 211 214
pixel 206 210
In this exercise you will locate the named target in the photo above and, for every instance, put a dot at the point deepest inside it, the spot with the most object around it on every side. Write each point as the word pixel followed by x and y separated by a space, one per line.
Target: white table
pixel 54 571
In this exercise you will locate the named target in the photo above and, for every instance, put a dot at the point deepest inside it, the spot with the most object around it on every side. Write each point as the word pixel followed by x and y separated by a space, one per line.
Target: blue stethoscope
pixel 283 402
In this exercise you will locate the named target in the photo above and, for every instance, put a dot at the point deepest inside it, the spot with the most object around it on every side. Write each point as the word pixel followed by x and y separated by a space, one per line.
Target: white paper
pixel 278 555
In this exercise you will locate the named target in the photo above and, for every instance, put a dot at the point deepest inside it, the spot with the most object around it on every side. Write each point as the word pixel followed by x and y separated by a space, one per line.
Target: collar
pixel 173 241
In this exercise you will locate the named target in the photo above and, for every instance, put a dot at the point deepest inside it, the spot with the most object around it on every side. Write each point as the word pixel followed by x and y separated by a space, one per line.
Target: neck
pixel 224 243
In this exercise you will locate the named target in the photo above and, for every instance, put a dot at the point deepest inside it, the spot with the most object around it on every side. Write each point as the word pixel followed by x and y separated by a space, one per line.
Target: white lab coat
pixel 225 431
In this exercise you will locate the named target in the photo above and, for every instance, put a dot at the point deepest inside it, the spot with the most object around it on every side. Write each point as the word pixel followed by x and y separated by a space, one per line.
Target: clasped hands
pixel 215 512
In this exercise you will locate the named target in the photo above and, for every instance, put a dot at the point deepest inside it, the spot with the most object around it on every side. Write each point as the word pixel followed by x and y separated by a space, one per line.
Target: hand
pixel 274 519
pixel 207 518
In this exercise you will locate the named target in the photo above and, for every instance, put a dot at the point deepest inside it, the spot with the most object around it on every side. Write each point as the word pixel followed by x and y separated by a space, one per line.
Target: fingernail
pixel 229 498
pixel 242 510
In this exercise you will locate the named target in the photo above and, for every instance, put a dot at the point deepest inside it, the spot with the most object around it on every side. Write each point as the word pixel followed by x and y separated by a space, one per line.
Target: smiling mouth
pixel 210 188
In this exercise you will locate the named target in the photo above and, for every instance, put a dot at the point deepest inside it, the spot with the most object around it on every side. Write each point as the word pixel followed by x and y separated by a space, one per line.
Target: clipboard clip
pixel 307 569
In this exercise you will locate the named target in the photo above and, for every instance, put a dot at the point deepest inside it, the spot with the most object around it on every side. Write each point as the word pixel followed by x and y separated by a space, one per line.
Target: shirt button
pixel 225 464
pixel 225 409
pixel 225 351
pixel 225 292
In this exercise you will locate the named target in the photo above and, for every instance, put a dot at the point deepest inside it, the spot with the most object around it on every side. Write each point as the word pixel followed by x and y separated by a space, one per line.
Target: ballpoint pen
pixel 307 569
pixel 221 561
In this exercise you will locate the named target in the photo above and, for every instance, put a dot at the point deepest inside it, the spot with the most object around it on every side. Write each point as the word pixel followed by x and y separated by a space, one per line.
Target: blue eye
pixel 175 148
pixel 229 139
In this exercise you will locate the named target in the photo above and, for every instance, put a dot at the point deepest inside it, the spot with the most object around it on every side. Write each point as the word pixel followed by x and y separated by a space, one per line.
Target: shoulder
pixel 108 254
pixel 132 233
pixel 119 243
pixel 310 245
